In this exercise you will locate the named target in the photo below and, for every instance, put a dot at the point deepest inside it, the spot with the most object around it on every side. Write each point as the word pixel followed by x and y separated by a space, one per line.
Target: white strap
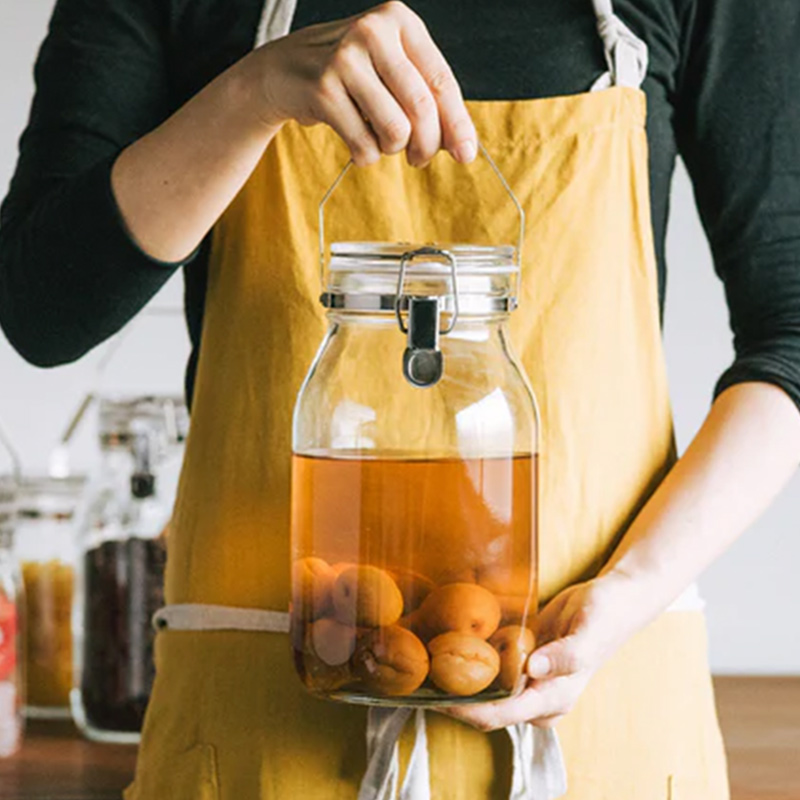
pixel 626 54
pixel 538 763
pixel 539 771
pixel 384 726
pixel 201 617
pixel 417 783
pixel 276 20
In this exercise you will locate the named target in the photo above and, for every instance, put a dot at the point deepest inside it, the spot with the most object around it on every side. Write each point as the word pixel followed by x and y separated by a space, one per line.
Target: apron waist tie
pixel 202 617
pixel 538 763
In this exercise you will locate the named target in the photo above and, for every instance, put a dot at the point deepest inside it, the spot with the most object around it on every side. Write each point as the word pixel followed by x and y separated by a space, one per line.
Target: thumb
pixel 563 656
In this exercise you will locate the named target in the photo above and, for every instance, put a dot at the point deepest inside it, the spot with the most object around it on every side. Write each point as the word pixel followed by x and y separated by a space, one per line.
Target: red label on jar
pixel 8 633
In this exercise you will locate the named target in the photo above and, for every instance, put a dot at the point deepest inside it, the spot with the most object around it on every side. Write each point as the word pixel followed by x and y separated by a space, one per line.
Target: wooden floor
pixel 760 719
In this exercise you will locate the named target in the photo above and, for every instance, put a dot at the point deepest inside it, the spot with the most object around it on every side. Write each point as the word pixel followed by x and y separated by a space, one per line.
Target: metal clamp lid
pixel 423 363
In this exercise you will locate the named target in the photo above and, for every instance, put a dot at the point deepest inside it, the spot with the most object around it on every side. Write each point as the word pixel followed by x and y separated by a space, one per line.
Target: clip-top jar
pixel 45 548
pixel 121 564
pixel 414 483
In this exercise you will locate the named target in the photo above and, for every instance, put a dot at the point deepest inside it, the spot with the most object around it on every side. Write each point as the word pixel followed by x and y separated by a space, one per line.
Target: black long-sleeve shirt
pixel 723 90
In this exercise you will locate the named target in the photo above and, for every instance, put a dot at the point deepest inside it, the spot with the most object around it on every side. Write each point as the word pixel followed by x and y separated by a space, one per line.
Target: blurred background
pixel 752 593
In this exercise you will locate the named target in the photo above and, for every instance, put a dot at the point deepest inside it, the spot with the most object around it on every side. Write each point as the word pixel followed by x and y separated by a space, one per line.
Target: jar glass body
pixel 45 549
pixel 12 674
pixel 414 513
pixel 119 585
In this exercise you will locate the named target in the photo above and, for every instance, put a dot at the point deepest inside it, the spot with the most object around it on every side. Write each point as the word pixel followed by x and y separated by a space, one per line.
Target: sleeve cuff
pixel 120 239
pixel 770 368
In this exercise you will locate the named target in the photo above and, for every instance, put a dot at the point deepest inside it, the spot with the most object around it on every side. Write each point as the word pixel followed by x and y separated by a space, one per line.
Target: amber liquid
pixel 48 633
pixel 419 525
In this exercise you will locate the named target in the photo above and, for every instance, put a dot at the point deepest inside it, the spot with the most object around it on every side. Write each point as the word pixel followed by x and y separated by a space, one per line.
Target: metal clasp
pixel 423 363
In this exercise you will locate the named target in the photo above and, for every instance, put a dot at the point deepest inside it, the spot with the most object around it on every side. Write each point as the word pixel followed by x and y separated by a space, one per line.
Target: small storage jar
pixel 46 549
pixel 121 560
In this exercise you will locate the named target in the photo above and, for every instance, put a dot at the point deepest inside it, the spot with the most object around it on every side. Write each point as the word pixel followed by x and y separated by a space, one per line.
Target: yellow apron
pixel 228 718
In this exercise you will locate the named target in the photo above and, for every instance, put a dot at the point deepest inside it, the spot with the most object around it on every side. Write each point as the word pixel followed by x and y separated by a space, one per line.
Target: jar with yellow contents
pixel 46 550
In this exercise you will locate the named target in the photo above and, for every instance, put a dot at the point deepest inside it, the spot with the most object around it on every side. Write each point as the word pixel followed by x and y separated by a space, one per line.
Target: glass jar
pixel 45 548
pixel 414 482
pixel 122 554
pixel 12 678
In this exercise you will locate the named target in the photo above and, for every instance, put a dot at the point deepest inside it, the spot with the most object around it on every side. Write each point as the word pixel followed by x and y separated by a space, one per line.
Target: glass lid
pixel 45 497
pixel 367 276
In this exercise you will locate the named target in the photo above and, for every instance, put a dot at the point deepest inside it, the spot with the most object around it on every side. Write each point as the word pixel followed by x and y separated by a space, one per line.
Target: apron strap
pixel 384 726
pixel 539 770
pixel 276 20
pixel 417 783
pixel 626 54
pixel 538 763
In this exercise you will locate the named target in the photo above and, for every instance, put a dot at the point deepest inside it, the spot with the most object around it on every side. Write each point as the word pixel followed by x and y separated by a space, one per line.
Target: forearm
pixel 173 184
pixel 745 452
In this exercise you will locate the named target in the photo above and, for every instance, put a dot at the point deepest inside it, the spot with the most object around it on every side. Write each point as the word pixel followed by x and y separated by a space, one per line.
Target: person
pixel 161 137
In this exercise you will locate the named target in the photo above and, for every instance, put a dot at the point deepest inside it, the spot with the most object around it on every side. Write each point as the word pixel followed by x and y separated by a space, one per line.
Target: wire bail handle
pixel 495 169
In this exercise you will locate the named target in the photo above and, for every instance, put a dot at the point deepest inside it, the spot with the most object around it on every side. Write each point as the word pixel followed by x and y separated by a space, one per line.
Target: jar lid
pixel 122 417
pixel 365 276
pixel 43 497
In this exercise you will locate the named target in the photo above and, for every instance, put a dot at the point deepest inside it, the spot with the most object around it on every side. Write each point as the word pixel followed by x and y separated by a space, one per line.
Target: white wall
pixel 35 405
pixel 753 592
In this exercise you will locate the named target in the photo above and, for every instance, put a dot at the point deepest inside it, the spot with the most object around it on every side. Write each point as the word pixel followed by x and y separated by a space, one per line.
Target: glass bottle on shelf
pixel 12 677
pixel 45 549
pixel 122 555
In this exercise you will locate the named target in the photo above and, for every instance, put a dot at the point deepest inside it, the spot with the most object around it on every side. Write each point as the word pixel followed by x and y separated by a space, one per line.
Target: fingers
pixel 341 113
pixel 386 117
pixel 561 671
pixel 409 67
pixel 541 704
pixel 458 132
pixel 377 78
pixel 561 657
pixel 404 80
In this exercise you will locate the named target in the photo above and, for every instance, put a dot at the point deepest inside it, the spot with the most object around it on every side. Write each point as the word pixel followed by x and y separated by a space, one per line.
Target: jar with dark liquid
pixel 414 482
pixel 120 584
